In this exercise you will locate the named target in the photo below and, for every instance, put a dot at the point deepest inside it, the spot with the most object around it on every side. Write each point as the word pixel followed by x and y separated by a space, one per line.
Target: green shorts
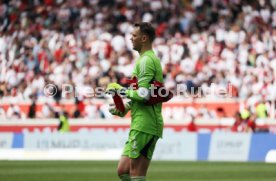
pixel 140 143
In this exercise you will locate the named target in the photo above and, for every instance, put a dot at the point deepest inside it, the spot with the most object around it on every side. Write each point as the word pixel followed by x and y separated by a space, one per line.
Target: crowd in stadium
pixel 86 43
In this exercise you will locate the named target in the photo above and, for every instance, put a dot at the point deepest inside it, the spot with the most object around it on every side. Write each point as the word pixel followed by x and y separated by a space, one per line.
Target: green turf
pixel 159 171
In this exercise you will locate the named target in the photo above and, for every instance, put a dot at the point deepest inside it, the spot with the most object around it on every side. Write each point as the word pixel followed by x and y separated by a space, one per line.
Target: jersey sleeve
pixel 145 73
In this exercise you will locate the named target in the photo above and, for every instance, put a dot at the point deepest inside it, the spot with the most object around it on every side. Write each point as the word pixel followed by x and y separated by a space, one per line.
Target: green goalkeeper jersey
pixel 146 118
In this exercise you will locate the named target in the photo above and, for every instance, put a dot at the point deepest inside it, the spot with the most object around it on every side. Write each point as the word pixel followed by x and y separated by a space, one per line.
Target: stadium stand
pixel 228 44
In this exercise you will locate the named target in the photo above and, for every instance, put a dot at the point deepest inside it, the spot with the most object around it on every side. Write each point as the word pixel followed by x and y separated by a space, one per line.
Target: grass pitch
pixel 158 171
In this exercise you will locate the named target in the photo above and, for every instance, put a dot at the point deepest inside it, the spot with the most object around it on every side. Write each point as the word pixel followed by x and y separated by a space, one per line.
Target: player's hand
pixel 113 86
pixel 112 109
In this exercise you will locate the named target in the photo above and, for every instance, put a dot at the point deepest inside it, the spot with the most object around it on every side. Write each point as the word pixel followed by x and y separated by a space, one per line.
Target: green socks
pixel 125 177
pixel 138 178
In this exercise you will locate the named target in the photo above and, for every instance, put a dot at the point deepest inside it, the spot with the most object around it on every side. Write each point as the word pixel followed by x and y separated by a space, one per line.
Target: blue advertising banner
pixel 102 144
pixel 261 144
pixel 203 145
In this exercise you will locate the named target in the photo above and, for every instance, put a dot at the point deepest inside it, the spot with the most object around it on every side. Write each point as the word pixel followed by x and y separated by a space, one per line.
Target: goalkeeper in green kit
pixel 146 119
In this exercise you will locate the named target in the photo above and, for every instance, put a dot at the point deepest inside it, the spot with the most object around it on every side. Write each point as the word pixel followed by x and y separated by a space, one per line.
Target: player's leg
pixel 124 164
pixel 139 167
pixel 124 168
pixel 142 146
